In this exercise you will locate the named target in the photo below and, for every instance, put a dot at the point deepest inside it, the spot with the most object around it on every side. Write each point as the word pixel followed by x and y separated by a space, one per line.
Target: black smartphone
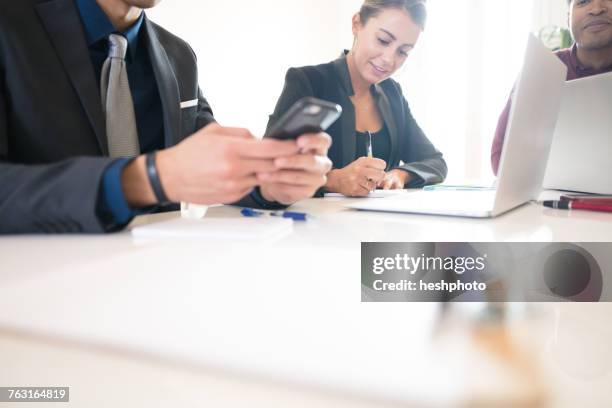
pixel 308 115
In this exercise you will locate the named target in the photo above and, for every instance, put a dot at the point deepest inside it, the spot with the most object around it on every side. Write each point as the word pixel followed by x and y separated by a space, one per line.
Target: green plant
pixel 555 37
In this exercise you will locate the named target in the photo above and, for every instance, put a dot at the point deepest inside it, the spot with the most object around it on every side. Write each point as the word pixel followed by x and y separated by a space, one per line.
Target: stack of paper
pixel 217 228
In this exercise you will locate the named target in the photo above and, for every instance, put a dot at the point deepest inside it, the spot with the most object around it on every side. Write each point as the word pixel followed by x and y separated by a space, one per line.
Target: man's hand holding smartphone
pixel 299 176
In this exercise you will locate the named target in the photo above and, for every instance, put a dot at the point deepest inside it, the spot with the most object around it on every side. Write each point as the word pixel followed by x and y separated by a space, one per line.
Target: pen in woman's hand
pixel 369 149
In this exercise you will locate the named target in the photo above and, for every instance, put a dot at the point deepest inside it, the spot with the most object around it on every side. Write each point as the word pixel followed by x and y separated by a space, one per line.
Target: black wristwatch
pixel 156 185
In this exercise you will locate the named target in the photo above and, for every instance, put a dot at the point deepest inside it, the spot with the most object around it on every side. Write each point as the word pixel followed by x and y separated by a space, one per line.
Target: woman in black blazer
pixel 374 108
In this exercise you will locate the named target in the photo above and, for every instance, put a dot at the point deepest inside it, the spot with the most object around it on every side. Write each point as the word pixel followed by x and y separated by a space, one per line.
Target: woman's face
pixel 383 43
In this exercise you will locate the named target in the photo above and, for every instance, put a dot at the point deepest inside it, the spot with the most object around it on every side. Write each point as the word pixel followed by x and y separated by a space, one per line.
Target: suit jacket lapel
pixel 167 84
pixel 384 107
pixel 348 137
pixel 61 20
pixel 349 140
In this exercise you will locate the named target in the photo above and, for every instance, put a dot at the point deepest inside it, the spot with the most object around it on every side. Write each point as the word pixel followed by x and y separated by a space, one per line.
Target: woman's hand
pixel 395 180
pixel 358 178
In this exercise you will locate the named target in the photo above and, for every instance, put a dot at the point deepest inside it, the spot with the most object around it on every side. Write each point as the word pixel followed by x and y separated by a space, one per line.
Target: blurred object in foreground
pixel 556 38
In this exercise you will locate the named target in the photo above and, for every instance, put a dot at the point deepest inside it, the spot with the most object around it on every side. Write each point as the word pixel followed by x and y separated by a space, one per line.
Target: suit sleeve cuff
pixel 416 181
pixel 113 209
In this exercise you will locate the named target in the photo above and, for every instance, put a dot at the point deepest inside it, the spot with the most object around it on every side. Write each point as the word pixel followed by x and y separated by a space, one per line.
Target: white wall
pixel 549 12
pixel 245 47
pixel 456 81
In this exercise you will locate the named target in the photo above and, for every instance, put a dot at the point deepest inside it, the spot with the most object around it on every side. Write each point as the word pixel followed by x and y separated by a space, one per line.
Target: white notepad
pixel 217 228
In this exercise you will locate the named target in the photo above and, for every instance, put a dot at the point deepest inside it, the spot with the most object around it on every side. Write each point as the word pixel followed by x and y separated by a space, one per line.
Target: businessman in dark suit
pixel 96 106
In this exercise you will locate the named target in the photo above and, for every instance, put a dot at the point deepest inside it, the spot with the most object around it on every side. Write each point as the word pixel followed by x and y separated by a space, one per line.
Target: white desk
pixel 264 323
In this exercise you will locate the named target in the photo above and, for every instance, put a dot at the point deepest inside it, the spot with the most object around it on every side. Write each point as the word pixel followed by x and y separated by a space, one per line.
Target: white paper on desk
pixel 217 228
pixel 373 194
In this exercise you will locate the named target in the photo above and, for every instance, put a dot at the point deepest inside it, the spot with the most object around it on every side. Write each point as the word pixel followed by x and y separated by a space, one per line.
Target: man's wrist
pixel 135 184
pixel 168 176
pixel 154 179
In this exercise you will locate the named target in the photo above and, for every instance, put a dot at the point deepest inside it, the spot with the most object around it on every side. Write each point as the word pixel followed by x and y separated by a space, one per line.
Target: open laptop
pixel 580 153
pixel 535 106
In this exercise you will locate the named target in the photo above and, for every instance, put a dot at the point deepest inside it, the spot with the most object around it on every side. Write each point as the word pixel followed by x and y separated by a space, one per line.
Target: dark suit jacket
pixel 52 128
pixel 410 148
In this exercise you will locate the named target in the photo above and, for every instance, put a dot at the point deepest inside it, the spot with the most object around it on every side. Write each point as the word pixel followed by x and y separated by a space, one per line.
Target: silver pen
pixel 369 147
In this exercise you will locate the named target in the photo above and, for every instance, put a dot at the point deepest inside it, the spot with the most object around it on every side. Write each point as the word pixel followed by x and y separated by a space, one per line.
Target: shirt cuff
pixel 113 209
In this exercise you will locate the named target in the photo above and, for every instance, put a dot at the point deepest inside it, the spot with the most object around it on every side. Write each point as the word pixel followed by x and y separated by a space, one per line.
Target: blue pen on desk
pixel 295 216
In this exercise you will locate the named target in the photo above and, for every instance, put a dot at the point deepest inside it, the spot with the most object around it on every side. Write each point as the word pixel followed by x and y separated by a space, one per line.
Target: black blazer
pixel 52 128
pixel 410 148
